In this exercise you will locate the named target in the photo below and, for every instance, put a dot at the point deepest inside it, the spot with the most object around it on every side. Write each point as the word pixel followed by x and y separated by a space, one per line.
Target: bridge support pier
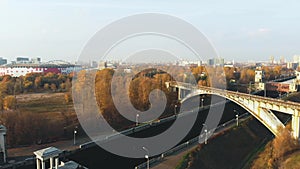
pixel 296 125
pixel 182 93
pixel 179 94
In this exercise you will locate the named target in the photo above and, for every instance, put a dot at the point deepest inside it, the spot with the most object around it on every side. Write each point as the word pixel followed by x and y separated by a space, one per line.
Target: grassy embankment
pixel 226 151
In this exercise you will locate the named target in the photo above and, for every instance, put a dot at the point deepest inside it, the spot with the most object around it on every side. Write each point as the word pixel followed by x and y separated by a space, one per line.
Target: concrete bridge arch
pixel 258 106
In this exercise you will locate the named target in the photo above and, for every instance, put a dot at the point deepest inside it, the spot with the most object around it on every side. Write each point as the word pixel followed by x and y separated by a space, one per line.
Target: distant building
pixel 292 65
pixel 272 60
pixel 3 61
pixel 259 75
pixel 94 64
pixel 127 70
pixel 282 60
pixel 297 73
pixel 22 60
pixel 286 86
pixel 102 65
pixel 216 62
pixel 296 58
pixel 36 60
pixel 55 66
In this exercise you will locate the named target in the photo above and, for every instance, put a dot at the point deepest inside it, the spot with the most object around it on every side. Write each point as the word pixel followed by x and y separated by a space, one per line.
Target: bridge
pixel 258 106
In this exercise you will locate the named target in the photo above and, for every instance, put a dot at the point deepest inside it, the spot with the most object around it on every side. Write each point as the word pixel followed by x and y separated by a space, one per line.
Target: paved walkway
pixel 170 162
pixel 24 152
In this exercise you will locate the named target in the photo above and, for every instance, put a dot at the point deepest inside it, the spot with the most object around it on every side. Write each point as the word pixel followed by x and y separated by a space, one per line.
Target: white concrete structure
pixel 51 154
pixel 3 142
pixel 19 71
pixel 261 86
pixel 44 155
pixel 297 75
pixel 258 76
pixel 293 86
pixel 260 107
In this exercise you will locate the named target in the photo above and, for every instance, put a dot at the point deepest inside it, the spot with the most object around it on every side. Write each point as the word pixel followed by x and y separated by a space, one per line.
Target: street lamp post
pixel 147 157
pixel 137 119
pixel 75 132
pixel 236 117
pixel 205 140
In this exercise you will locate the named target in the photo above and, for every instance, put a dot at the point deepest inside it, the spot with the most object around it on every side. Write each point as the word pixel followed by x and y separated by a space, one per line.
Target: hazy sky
pixel 240 30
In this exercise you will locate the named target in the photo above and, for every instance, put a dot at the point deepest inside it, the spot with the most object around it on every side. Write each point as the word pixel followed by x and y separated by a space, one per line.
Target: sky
pixel 239 30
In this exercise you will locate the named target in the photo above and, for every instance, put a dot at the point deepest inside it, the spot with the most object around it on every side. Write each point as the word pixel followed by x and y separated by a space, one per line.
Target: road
pixel 96 157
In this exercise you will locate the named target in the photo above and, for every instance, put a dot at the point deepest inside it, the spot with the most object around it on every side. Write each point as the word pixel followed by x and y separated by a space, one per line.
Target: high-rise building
pixel 296 58
pixel 3 61
pixel 282 60
pixel 272 59
pixel 22 60
pixel 36 60
pixel 216 62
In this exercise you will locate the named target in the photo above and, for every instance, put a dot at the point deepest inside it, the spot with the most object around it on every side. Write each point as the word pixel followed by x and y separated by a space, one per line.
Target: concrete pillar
pixel 179 94
pixel 38 164
pixel 296 125
pixel 56 163
pixel 51 163
pixel 43 164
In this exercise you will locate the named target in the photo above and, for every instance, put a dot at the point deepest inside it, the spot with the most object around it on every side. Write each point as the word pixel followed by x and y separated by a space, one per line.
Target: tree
pixel 68 97
pixel 68 84
pixel 9 103
pixel 28 85
pixel 53 87
pixel 37 82
pixel 46 86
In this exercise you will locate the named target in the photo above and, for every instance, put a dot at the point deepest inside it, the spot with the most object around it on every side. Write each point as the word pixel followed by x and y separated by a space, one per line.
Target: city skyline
pixel 240 31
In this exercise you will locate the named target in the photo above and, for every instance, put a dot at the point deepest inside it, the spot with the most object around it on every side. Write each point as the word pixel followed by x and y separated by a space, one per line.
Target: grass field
pixel 43 103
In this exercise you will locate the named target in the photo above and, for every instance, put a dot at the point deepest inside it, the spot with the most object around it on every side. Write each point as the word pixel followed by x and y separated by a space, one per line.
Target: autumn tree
pixel 53 87
pixel 9 102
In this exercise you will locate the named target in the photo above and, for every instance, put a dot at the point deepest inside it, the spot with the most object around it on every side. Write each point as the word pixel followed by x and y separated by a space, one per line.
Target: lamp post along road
pixel 236 117
pixel 147 157
pixel 205 140
pixel 75 132
pixel 137 119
